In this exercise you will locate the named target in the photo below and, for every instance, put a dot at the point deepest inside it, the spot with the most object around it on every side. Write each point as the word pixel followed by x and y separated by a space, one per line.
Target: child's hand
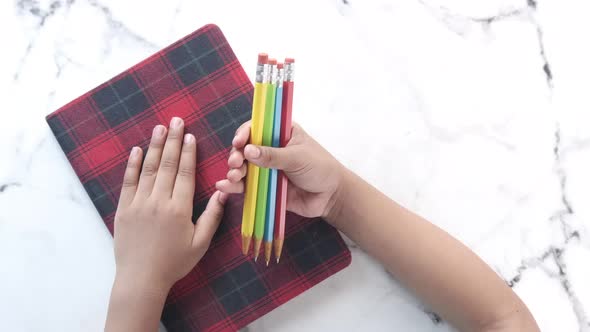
pixel 155 240
pixel 314 174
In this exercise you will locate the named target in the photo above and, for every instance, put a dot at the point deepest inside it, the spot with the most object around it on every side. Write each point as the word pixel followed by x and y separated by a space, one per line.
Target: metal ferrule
pixel 266 74
pixel 259 73
pixel 280 77
pixel 273 74
pixel 289 71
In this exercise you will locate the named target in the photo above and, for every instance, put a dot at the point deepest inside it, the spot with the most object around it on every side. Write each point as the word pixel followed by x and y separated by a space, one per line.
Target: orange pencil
pixel 286 113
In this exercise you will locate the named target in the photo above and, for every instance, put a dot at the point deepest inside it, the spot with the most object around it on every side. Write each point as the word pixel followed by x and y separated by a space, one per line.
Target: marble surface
pixel 471 113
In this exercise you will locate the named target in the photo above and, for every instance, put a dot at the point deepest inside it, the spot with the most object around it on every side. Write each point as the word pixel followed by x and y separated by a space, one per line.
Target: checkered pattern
pixel 199 79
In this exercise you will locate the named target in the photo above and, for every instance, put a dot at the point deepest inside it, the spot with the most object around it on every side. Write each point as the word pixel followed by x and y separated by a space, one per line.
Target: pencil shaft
pixel 261 198
pixel 273 177
pixel 261 203
pixel 249 212
pixel 271 205
pixel 280 213
pixel 281 200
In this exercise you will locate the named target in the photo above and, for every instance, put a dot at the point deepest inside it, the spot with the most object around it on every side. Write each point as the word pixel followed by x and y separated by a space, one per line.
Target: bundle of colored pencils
pixel 265 201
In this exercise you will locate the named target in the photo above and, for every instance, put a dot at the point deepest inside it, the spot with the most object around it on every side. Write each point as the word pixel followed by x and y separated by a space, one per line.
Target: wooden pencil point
pixel 257 244
pixel 278 243
pixel 267 251
pixel 246 244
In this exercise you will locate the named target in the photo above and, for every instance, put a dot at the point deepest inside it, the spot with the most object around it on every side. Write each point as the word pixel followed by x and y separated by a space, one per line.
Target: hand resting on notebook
pixel 439 269
pixel 156 242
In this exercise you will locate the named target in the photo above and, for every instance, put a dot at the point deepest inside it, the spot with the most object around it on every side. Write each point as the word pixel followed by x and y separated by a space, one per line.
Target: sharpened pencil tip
pixel 246 244
pixel 257 243
pixel 267 251
pixel 278 243
pixel 255 259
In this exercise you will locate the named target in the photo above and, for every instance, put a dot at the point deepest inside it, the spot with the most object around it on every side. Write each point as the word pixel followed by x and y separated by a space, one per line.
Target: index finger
pixel 184 187
pixel 131 177
pixel 242 135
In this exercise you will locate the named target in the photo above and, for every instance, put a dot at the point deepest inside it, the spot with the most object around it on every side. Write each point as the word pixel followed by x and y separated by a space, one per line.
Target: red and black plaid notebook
pixel 199 79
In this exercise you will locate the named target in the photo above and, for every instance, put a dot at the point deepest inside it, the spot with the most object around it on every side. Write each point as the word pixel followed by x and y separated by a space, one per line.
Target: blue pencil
pixel 273 178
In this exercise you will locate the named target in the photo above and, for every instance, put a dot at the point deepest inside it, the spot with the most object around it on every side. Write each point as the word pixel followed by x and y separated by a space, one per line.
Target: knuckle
pixel 155 145
pixel 235 175
pixel 177 212
pixel 298 167
pixel 216 213
pixel 132 165
pixel 186 172
pixel 128 182
pixel 237 157
pixel 175 135
pixel 267 156
pixel 294 161
pixel 233 153
pixel 169 164
pixel 154 209
pixel 149 169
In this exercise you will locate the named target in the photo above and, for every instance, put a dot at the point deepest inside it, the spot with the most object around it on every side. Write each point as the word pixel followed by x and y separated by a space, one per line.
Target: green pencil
pixel 263 178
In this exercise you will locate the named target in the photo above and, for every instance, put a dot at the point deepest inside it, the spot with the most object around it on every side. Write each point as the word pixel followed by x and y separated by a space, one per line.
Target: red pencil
pixel 286 112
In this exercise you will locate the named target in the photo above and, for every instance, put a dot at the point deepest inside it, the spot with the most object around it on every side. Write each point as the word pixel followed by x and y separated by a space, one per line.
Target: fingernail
pixel 222 197
pixel 134 152
pixel 175 122
pixel 158 131
pixel 188 138
pixel 253 151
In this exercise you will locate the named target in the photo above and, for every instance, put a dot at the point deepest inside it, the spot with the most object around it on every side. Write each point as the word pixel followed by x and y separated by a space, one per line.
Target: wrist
pixel 134 285
pixel 136 303
pixel 337 200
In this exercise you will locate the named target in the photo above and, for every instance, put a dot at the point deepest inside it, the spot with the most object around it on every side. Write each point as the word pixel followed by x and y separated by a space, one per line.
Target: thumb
pixel 209 220
pixel 267 157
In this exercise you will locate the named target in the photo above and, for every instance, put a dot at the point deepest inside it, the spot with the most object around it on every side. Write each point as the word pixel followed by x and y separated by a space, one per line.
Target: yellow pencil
pixel 258 106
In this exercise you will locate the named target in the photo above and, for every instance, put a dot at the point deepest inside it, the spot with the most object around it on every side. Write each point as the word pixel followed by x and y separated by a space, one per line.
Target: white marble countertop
pixel 472 113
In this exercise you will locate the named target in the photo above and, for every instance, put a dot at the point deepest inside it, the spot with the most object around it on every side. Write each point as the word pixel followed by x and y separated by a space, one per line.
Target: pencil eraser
pixel 262 58
pixel 272 62
pixel 280 65
pixel 289 60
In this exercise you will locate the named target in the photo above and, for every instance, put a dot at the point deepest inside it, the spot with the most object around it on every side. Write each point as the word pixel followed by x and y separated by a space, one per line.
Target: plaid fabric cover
pixel 199 79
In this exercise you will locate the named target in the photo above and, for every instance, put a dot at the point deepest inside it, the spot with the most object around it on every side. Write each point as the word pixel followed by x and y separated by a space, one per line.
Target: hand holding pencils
pixel 266 190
